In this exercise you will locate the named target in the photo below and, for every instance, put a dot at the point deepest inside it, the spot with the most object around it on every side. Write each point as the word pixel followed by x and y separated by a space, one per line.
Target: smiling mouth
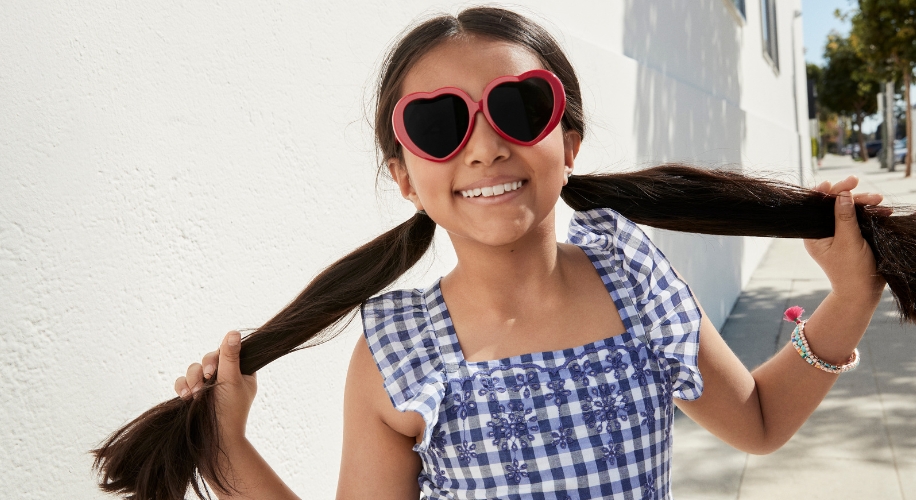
pixel 495 190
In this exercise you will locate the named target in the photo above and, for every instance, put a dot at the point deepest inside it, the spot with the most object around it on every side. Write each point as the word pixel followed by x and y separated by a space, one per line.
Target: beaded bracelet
pixel 800 343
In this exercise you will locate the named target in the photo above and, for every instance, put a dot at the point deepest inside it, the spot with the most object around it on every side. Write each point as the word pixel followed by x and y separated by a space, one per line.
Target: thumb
pixel 846 224
pixel 229 358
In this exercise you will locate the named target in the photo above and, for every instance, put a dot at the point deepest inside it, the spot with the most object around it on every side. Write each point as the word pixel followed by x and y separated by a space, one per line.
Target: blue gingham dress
pixel 592 421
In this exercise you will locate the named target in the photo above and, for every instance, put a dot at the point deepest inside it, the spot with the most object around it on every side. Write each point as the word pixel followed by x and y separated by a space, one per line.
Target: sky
pixel 818 19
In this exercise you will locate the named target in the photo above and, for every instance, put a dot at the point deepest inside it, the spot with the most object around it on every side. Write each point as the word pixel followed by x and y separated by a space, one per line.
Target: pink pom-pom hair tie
pixel 793 314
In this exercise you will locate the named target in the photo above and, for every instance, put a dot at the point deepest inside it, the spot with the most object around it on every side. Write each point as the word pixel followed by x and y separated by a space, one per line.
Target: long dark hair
pixel 165 451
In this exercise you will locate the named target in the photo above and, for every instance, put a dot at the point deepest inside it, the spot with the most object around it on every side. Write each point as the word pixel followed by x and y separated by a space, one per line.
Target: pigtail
pixel 175 444
pixel 721 202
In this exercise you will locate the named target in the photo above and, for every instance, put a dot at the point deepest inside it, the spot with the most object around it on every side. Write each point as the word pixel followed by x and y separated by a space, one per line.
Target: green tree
pixel 846 84
pixel 814 74
pixel 884 34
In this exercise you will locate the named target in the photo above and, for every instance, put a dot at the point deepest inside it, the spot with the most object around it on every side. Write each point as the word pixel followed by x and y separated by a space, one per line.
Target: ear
pixel 571 142
pixel 402 177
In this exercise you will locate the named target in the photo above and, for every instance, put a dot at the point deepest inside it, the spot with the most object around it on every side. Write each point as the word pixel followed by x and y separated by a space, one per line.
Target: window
pixel 739 6
pixel 768 27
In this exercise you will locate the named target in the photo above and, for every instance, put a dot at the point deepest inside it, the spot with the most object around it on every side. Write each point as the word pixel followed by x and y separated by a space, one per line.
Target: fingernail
pixel 845 198
pixel 235 338
pixel 184 393
pixel 208 371
pixel 195 389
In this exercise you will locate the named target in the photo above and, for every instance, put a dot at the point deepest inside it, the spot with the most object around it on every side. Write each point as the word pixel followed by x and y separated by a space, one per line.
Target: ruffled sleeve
pixel 663 302
pixel 404 347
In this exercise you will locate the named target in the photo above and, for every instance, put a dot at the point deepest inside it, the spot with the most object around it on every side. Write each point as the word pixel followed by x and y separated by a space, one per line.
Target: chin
pixel 501 235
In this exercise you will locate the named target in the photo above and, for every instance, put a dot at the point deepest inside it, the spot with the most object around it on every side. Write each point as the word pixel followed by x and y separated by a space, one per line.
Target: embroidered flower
pixel 490 387
pixel 466 452
pixel 512 425
pixel 515 472
pixel 499 430
pixel 617 365
pixel 440 477
pixel 648 487
pixel 596 369
pixel 580 373
pixel 462 406
pixel 437 442
pixel 642 374
pixel 526 382
pixel 605 407
pixel 559 394
pixel 649 416
pixel 613 453
pixel 562 437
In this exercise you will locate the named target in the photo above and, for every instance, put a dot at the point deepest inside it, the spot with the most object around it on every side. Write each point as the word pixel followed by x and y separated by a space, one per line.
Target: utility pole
pixel 841 133
pixel 883 126
pixel 801 161
pixel 890 128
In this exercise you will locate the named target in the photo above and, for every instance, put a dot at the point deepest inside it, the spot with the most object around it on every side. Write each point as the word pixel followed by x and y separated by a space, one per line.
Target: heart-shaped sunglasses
pixel 522 109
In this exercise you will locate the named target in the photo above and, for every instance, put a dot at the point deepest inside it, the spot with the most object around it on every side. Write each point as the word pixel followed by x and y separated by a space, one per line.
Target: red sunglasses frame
pixel 559 106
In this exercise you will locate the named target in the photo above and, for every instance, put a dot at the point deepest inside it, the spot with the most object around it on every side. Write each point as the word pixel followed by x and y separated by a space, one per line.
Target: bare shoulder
pixel 365 389
pixel 377 460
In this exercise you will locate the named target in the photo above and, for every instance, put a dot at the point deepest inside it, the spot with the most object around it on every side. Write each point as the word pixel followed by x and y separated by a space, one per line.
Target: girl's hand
pixel 846 258
pixel 234 392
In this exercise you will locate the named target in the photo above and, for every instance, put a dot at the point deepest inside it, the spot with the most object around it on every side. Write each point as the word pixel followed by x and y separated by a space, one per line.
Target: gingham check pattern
pixel 592 421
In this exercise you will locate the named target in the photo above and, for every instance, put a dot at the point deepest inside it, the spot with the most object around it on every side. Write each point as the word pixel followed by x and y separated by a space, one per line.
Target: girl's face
pixel 487 160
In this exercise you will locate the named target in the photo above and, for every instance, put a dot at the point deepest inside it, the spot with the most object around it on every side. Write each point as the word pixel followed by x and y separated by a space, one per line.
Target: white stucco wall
pixel 170 171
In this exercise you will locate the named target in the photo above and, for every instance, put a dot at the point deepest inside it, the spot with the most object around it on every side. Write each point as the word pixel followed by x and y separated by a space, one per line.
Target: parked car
pixel 872 148
pixel 899 150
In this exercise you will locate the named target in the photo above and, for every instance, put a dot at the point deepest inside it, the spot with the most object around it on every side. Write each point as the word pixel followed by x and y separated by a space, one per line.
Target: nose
pixel 485 146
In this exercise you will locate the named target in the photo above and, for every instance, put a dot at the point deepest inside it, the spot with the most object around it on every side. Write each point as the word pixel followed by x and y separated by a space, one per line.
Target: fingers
pixel 197 373
pixel 229 358
pixel 181 388
pixel 195 377
pixel 868 198
pixel 846 224
pixel 209 362
pixel 847 184
pixel 192 381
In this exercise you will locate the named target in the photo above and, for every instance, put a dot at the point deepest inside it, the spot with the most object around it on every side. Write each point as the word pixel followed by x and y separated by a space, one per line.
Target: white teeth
pixel 488 191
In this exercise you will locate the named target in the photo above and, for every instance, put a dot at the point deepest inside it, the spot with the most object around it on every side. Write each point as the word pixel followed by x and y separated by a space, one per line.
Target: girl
pixel 533 369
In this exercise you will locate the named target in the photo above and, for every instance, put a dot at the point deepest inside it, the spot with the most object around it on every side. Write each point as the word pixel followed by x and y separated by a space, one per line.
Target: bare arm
pixel 378 460
pixel 758 412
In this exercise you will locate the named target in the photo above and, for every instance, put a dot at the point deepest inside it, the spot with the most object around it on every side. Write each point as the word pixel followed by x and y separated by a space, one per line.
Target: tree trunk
pixel 863 152
pixel 909 122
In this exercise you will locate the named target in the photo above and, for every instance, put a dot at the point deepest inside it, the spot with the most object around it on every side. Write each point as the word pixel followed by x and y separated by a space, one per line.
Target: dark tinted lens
pixel 437 126
pixel 522 109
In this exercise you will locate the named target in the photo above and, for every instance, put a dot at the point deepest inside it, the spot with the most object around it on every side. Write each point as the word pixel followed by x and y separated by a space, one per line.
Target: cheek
pixel 550 153
pixel 429 179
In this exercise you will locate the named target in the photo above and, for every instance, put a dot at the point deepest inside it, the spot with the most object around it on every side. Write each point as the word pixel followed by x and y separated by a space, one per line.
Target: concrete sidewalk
pixel 861 441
